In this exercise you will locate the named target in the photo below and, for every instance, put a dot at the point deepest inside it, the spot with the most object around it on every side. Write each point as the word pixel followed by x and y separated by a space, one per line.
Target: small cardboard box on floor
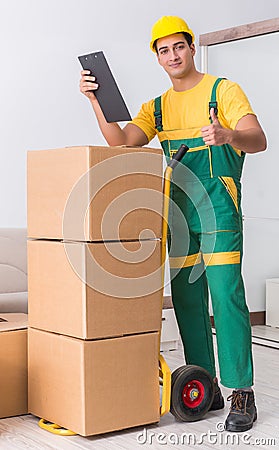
pixel 95 290
pixel 93 387
pixel 13 363
pixel 95 193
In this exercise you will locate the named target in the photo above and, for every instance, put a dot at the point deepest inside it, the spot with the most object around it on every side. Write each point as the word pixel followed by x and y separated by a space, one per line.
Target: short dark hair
pixel 187 36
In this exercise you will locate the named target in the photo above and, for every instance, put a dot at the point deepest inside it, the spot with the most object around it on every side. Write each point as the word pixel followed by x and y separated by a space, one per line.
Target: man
pixel 214 118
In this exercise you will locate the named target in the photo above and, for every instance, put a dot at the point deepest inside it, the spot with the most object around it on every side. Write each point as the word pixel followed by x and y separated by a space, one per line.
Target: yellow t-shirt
pixel 189 109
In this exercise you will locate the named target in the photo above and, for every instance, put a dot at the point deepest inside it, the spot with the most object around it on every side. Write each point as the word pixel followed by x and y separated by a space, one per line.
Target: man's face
pixel 175 55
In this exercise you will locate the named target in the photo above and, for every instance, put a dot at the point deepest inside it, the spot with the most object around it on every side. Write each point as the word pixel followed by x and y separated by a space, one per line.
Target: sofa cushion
pixel 16 302
pixel 13 270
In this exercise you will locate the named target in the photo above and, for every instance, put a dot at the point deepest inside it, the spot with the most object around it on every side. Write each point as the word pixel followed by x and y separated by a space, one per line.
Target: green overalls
pixel 205 250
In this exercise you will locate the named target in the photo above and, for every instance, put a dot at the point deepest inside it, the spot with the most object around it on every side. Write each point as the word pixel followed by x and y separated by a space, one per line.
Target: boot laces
pixel 238 401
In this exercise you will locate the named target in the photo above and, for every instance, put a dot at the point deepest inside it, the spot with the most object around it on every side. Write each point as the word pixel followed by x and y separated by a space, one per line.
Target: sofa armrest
pixel 13 270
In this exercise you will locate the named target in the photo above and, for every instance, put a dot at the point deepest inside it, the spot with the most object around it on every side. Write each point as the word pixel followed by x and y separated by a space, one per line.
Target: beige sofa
pixel 13 270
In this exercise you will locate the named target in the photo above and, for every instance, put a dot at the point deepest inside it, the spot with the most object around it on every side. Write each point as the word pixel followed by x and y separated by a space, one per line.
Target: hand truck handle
pixel 178 156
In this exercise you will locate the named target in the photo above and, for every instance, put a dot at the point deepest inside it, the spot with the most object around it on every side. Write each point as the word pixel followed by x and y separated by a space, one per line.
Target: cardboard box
pixel 95 193
pixel 95 290
pixel 13 363
pixel 93 387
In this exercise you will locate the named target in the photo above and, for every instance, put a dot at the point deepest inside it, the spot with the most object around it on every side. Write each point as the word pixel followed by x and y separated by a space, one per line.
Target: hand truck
pixel 189 391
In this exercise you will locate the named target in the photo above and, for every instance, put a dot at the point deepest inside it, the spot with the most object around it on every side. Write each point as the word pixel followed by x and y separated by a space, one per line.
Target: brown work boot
pixel 218 400
pixel 243 412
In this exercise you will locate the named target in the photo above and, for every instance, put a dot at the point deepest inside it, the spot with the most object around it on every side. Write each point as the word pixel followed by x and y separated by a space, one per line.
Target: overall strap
pixel 213 101
pixel 158 114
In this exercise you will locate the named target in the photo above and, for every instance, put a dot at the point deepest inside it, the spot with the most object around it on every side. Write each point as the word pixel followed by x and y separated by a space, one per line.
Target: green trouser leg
pixel 231 314
pixel 232 323
pixel 190 299
pixel 190 302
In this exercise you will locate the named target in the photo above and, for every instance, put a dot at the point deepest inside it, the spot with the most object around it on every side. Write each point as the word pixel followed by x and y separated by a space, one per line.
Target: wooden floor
pixel 24 433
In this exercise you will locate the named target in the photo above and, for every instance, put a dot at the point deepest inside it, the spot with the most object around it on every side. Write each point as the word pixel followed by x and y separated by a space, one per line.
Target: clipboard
pixel 108 95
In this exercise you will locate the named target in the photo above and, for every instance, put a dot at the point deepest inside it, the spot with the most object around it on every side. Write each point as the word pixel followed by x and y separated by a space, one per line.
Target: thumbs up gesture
pixel 215 134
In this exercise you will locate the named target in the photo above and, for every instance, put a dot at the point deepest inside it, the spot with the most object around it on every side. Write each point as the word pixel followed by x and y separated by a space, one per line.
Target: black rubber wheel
pixel 192 392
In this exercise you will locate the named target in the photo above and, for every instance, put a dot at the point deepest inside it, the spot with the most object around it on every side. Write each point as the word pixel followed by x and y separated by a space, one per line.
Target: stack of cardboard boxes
pixel 95 287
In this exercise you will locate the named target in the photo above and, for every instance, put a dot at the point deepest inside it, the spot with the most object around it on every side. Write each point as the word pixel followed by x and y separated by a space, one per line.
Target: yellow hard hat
pixel 168 25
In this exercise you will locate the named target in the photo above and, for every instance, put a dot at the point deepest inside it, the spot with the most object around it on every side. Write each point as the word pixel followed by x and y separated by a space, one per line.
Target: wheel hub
pixel 193 394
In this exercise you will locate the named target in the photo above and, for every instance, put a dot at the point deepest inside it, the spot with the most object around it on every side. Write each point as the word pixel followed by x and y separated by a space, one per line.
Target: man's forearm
pixel 247 136
pixel 112 132
pixel 249 141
